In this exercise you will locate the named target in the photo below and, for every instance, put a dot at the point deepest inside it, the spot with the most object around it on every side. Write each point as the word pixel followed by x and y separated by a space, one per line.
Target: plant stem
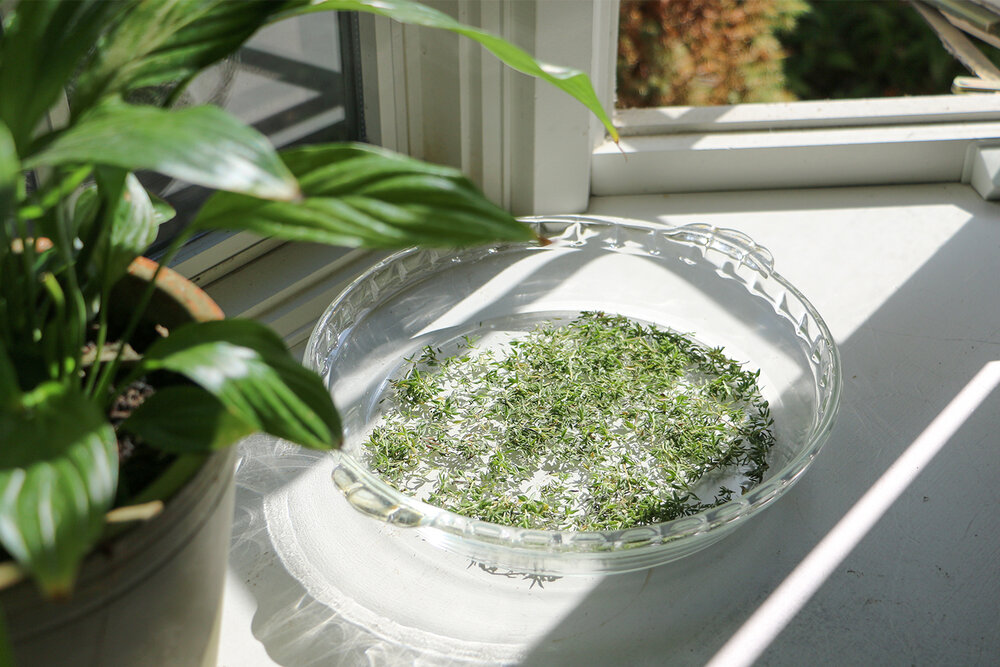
pixel 28 258
pixel 102 337
pixel 102 390
pixel 77 334
pixel 53 350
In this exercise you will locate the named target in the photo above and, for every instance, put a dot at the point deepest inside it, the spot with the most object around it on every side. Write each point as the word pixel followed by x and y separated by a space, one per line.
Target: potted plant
pixel 102 351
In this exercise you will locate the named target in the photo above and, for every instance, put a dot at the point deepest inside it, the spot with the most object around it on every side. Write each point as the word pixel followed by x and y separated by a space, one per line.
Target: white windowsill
pixel 289 287
pixel 905 277
pixel 792 158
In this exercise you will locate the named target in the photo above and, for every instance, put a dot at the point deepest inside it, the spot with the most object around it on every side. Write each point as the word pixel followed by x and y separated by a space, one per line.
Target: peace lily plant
pixel 73 217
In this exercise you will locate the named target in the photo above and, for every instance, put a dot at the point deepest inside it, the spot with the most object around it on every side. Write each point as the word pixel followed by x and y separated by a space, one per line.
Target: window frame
pixel 830 143
pixel 443 99
pixel 822 114
pixel 536 151
pixel 212 255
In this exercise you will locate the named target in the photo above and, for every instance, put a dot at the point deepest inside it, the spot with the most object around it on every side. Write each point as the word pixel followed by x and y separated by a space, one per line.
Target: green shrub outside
pixel 705 52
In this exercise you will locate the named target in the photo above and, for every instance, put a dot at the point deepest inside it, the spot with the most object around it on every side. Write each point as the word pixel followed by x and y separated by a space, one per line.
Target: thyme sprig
pixel 601 423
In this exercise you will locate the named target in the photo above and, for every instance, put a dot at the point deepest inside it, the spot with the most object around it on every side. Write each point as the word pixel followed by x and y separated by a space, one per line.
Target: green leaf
pixel 246 367
pixel 131 229
pixel 166 41
pixel 9 176
pixel 359 195
pixel 85 210
pixel 58 472
pixel 203 145
pixel 162 211
pixel 46 41
pixel 186 419
pixel 572 81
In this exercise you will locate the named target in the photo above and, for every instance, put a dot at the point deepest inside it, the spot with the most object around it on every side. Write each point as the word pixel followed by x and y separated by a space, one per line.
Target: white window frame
pixel 215 254
pixel 801 144
pixel 534 150
pixel 443 98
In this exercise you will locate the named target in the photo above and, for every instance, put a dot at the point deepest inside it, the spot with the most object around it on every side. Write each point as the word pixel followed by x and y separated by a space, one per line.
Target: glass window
pixel 296 81
pixel 721 52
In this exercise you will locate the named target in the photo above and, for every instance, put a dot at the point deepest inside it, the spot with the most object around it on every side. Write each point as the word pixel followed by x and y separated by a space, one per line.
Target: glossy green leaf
pixel 359 195
pixel 162 211
pixel 44 44
pixel 85 210
pixel 246 367
pixel 572 81
pixel 131 229
pixel 186 419
pixel 58 472
pixel 202 145
pixel 167 41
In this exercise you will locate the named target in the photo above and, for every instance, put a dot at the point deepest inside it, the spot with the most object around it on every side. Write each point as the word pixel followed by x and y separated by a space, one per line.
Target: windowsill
pixel 905 277
pixel 289 287
pixel 869 239
pixel 789 158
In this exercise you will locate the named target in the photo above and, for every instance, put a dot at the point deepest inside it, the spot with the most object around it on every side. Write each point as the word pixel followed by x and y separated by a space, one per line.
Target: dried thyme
pixel 597 424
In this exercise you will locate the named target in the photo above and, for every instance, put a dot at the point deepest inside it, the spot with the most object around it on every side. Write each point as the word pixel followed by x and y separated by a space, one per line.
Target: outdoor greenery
pixel 706 52
pixel 703 52
pixel 73 216
pixel 841 49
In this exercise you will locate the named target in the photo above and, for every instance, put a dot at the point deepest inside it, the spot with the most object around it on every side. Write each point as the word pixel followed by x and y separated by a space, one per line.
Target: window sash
pixel 810 114
pixel 535 151
pixel 873 155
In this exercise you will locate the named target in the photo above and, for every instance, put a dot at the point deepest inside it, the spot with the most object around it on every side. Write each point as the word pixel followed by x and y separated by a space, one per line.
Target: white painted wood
pixel 208 257
pixel 815 114
pixel 972 84
pixel 974 25
pixel 289 287
pixel 603 66
pixel 786 159
pixel 983 170
pixel 384 82
pixel 413 82
pixel 559 140
pixel 372 103
pixel 526 143
pixel 447 94
pixel 483 96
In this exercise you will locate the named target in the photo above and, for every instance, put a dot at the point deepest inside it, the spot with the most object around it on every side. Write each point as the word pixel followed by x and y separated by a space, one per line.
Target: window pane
pixel 295 81
pixel 711 52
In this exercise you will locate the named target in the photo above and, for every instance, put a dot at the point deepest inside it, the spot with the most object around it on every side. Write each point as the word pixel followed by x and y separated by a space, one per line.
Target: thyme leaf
pixel 601 423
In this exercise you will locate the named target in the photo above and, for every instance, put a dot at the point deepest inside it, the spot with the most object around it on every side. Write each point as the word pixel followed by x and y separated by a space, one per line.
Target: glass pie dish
pixel 715 284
